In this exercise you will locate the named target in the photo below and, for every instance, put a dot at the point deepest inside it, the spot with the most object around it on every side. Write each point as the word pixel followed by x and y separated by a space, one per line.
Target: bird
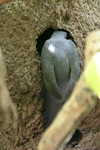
pixel 61 70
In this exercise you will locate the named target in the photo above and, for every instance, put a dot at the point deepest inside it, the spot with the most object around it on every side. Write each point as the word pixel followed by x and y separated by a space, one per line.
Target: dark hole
pixel 42 38
pixel 46 35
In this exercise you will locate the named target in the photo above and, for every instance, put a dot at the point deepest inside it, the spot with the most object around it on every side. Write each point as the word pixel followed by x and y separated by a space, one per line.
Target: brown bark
pixel 76 108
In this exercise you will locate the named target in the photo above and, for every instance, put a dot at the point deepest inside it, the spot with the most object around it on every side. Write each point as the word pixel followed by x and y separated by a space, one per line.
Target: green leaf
pixel 92 74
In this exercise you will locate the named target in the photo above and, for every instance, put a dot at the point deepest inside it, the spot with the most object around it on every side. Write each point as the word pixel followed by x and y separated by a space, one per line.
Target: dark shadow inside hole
pixel 46 35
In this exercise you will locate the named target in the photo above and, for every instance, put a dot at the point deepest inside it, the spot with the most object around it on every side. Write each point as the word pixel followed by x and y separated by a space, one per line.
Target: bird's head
pixel 59 34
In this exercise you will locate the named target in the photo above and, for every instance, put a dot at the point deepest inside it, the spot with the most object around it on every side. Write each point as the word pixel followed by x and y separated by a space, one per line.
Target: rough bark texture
pixel 21 23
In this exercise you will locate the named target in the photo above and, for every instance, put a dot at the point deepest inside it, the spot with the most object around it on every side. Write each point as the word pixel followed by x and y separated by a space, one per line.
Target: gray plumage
pixel 60 66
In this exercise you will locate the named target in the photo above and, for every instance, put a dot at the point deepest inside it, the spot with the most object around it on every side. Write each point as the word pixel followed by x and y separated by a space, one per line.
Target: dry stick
pixel 76 108
pixel 6 104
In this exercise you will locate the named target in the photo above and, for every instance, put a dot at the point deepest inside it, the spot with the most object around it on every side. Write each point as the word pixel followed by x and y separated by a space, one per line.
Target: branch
pixel 7 107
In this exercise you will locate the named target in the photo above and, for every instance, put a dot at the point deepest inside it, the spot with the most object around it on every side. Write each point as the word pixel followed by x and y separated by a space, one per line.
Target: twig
pixel 6 105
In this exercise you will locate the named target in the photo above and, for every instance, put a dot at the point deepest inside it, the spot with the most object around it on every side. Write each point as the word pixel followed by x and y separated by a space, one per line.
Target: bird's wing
pixel 50 82
pixel 75 68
